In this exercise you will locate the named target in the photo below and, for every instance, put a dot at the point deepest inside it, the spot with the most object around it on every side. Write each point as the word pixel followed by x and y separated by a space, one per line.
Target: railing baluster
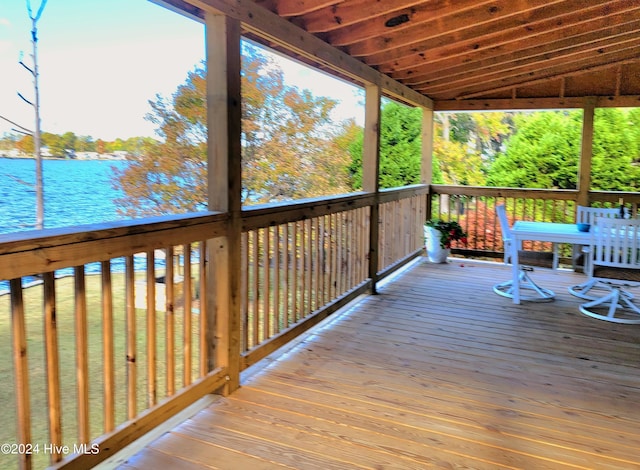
pixel 244 301
pixel 188 337
pixel 315 224
pixel 255 266
pixel 82 352
pixel 266 283
pixel 275 314
pixel 53 366
pixel 295 272
pixel 132 376
pixel 170 333
pixel 152 397
pixel 303 269
pixel 309 267
pixel 108 353
pixel 203 292
pixel 286 261
pixel 21 370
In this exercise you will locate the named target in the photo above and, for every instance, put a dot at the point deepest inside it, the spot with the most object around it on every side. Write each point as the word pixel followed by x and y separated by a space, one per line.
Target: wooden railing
pixel 303 261
pixel 111 328
pixel 474 208
pixel 89 351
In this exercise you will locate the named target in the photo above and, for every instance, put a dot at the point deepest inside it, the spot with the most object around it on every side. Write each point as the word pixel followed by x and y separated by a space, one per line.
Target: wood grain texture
pixel 434 372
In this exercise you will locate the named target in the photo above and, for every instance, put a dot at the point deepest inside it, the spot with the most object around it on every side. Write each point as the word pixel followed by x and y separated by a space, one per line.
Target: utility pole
pixel 36 107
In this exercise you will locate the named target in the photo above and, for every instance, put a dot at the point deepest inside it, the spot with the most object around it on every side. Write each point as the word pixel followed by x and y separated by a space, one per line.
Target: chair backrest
pixel 504 223
pixel 588 215
pixel 615 248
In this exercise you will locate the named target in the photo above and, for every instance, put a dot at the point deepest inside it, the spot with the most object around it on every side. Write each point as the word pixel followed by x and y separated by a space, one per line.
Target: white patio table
pixel 544 232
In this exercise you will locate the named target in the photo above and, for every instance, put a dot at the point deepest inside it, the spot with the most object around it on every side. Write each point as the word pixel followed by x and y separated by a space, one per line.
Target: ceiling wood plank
pixel 288 8
pixel 534 103
pixel 503 55
pixel 532 63
pixel 467 24
pixel 567 70
pixel 426 14
pixel 359 11
pixel 528 25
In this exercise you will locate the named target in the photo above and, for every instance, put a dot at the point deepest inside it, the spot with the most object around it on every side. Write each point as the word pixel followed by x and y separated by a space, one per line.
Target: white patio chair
pixel 615 261
pixel 589 215
pixel 526 259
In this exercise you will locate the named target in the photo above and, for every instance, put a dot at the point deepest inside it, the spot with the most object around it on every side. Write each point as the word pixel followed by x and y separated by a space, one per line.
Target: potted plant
pixel 439 235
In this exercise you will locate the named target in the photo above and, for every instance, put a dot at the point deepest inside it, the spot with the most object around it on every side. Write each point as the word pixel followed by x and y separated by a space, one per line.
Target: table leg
pixel 515 273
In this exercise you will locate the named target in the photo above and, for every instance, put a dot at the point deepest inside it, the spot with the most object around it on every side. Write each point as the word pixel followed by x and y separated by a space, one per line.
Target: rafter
pixel 375 25
pixel 549 43
pixel 533 70
pixel 288 8
pixel 354 12
pixel 468 24
pixel 568 70
pixel 530 58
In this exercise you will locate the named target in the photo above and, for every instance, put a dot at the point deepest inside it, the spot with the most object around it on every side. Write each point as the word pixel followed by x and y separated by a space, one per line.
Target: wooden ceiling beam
pixel 544 60
pixel 503 55
pixel 289 8
pixel 573 69
pixel 468 24
pixel 534 103
pixel 356 12
pixel 411 13
pixel 522 76
pixel 474 39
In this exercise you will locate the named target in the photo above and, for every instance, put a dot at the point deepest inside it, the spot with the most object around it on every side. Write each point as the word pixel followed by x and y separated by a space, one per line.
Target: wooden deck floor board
pixel 420 421
pixel 518 418
pixel 435 372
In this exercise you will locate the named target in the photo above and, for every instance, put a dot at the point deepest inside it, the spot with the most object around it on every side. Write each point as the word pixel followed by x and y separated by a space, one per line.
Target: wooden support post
pixel 426 167
pixel 224 163
pixel 371 173
pixel 586 154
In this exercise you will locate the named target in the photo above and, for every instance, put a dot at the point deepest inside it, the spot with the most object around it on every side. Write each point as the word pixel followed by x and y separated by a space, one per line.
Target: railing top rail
pixel 629 197
pixel 35 252
pixel 265 215
pixel 568 194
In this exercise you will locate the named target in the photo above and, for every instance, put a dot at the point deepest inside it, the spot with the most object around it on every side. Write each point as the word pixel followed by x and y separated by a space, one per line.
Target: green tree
pixel 615 151
pixel 400 148
pixel 545 150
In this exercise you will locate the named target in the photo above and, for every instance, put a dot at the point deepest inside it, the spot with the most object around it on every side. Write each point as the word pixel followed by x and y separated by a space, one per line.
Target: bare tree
pixel 36 106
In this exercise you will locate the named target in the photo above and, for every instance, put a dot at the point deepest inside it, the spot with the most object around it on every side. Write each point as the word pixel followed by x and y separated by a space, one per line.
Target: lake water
pixel 75 192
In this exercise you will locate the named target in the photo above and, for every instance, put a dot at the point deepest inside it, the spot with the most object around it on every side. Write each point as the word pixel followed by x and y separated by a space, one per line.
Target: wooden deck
pixel 435 372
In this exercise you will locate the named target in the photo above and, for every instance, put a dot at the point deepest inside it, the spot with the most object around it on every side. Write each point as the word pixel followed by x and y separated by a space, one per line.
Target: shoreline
pixel 100 157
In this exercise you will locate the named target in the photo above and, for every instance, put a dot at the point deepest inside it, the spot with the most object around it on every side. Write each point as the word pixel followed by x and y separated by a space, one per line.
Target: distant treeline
pixel 69 144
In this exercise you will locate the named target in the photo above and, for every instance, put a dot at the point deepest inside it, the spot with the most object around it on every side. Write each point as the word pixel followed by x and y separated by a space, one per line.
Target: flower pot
pixel 435 253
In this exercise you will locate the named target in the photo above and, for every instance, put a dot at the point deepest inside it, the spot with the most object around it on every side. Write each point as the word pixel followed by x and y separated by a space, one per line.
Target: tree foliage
pixel 545 151
pixel 290 146
pixel 400 148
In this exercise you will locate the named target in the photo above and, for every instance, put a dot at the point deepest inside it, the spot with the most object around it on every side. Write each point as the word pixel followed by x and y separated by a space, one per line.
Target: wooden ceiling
pixel 471 54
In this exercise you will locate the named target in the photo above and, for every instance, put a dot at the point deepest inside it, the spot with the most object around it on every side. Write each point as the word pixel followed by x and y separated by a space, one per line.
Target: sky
pixel 101 61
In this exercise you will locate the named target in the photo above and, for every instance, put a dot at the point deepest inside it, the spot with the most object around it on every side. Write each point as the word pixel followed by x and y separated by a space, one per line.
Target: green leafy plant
pixel 450 231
